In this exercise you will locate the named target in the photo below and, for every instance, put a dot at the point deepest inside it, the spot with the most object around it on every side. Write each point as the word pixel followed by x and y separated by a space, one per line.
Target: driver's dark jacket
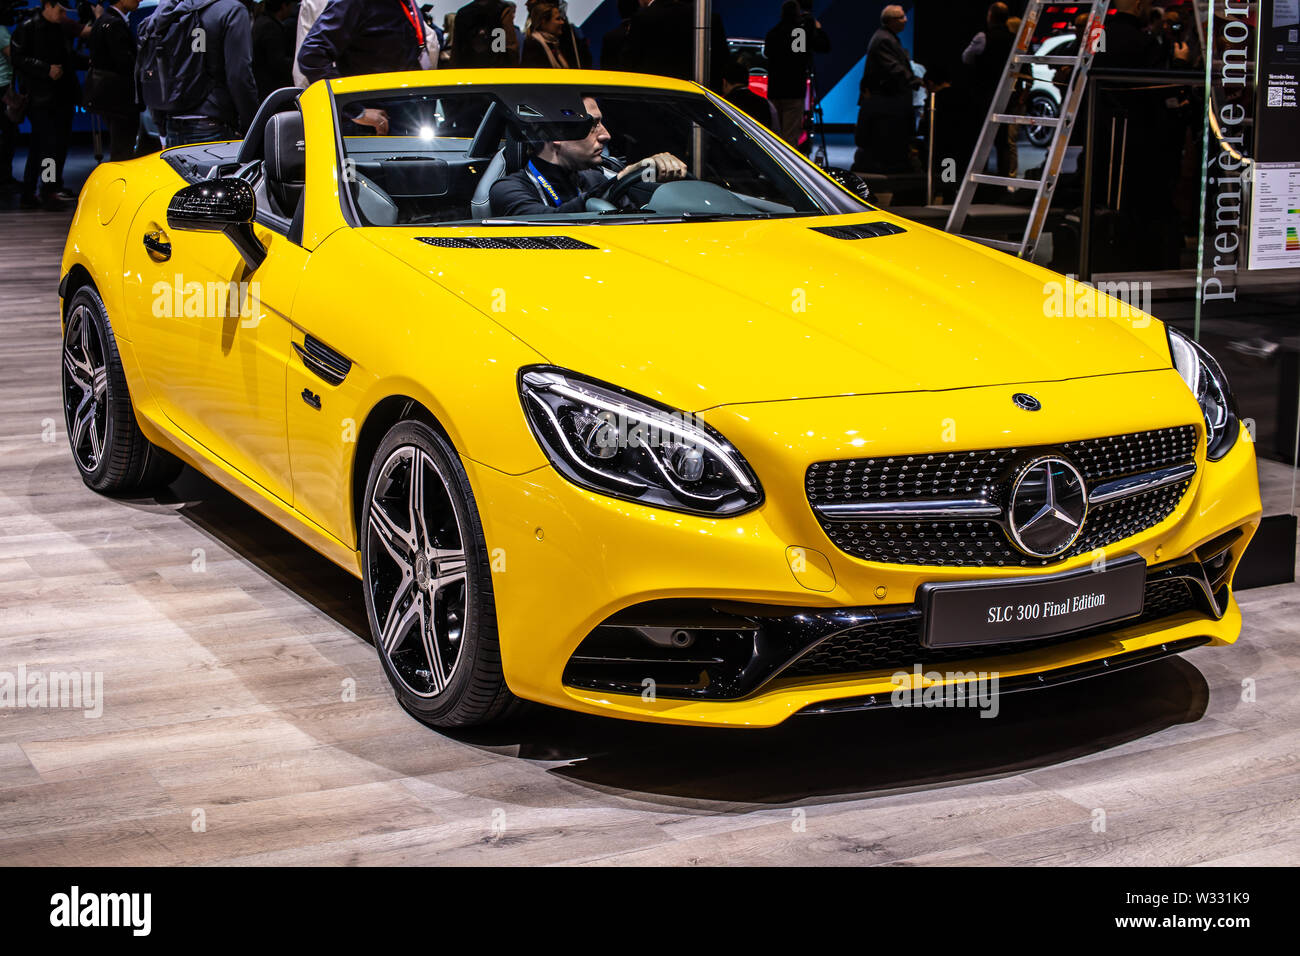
pixel 518 195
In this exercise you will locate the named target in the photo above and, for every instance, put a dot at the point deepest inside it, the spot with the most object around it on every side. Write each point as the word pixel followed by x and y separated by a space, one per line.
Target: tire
pixel 428 583
pixel 1040 104
pixel 110 451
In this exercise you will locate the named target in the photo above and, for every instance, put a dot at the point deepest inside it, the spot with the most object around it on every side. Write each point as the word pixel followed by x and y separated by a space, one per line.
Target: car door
pixel 213 338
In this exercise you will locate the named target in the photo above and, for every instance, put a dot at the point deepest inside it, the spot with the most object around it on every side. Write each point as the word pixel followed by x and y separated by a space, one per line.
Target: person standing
pixel 309 12
pixel 542 47
pixel 987 55
pixel 573 43
pixel 43 58
pixel 789 49
pixel 485 36
pixel 735 87
pixel 354 37
pixel 272 49
pixel 611 45
pixel 884 128
pixel 202 95
pixel 110 84
pixel 661 41
pixel 8 129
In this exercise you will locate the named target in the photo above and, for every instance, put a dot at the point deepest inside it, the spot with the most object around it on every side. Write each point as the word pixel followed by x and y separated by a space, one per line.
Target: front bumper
pixel 567 561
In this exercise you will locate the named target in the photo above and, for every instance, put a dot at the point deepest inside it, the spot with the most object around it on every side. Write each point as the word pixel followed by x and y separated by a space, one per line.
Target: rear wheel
pixel 111 452
pixel 428 582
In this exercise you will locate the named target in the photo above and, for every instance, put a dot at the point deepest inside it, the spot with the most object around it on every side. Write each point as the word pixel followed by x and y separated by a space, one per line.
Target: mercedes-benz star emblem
pixel 1026 401
pixel 1048 505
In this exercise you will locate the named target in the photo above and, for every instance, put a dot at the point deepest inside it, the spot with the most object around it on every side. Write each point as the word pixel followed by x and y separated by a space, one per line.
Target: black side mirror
pixel 850 181
pixel 219 205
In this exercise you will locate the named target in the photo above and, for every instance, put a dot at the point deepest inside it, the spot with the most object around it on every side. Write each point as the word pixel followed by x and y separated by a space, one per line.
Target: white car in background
pixel 1044 97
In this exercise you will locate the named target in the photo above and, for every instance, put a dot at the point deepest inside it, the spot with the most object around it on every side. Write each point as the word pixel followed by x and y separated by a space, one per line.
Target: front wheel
pixel 111 452
pixel 428 582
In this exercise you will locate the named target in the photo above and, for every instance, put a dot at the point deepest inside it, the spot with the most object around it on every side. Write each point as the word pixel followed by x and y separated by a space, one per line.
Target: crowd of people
pixel 251 49
pixel 211 90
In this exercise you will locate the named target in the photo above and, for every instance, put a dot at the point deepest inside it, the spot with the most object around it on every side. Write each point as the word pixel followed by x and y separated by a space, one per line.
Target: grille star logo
pixel 1048 506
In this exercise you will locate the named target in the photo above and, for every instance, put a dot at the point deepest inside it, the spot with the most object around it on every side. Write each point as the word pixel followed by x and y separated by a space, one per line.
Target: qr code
pixel 1275 96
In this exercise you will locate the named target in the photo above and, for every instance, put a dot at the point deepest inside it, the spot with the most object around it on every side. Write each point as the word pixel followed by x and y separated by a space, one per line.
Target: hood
pixel 698 315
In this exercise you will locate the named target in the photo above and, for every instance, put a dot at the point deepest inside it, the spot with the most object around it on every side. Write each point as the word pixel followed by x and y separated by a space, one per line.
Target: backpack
pixel 172 75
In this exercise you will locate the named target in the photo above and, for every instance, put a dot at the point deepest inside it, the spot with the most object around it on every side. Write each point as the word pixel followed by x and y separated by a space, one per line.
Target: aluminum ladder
pixel 998 116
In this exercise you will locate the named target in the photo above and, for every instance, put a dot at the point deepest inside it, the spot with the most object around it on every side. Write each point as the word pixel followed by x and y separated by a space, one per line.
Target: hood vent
pixel 504 242
pixel 860 230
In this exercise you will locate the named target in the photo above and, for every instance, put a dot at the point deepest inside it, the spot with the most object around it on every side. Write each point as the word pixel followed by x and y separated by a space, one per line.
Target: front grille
pixel 897 643
pixel 987 474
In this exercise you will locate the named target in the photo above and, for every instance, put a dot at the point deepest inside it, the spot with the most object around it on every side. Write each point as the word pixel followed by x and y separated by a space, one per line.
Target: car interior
pixel 444 151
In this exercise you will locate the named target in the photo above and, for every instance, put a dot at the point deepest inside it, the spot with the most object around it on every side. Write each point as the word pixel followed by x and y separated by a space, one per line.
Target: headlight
pixel 1206 380
pixel 619 444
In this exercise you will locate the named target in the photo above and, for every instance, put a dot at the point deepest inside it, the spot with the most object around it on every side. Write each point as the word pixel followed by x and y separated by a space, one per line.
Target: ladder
pixel 998 116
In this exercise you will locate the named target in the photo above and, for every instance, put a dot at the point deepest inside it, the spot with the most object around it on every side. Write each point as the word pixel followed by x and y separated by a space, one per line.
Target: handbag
pixel 15 105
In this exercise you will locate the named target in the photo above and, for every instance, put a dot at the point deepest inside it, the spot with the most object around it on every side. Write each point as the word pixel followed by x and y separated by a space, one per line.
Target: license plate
pixel 1026 609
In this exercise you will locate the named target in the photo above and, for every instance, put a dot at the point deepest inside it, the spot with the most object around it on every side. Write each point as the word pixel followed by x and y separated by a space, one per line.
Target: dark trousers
pixel 8 142
pixel 183 132
pixel 48 149
pixel 883 135
pixel 122 133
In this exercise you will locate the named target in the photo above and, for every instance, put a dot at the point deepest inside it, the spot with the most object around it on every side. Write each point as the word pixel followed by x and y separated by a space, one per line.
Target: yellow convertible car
pixel 616 403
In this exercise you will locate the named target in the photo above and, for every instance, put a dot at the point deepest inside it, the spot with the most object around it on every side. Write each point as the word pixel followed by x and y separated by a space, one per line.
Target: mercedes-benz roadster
pixel 616 403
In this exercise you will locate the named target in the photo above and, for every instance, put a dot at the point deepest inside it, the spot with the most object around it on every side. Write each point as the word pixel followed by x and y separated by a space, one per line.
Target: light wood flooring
pixel 223 704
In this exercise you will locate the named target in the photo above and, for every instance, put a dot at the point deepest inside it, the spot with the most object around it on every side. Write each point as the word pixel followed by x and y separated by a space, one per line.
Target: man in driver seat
pixel 563 174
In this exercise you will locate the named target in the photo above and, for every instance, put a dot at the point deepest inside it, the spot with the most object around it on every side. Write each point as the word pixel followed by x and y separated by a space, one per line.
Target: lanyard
pixel 417 21
pixel 542 184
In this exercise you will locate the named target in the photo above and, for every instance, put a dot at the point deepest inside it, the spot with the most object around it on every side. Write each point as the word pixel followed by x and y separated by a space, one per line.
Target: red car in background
pixel 750 52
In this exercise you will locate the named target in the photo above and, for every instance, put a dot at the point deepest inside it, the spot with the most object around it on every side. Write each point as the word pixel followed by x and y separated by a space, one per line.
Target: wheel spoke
pixel 400 544
pixel 443 580
pixel 429 635
pixel 81 421
pixel 100 383
pixel 416 500
pixel 96 440
pixel 85 342
pixel 80 374
pixel 444 562
pixel 396 624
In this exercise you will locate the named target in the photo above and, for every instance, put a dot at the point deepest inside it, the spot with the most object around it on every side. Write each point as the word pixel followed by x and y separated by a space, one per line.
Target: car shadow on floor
pixel 811 758
pixel 869 752
pixel 270 548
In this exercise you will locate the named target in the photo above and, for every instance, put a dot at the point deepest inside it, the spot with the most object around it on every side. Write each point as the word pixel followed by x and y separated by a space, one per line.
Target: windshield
pixel 513 154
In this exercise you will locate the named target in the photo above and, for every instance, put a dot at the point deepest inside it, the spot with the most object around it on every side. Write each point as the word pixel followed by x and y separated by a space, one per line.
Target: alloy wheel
pixel 85 388
pixel 418 571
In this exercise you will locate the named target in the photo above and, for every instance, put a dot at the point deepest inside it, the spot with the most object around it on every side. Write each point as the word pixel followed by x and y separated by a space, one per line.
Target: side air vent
pixel 860 230
pixel 323 360
pixel 504 242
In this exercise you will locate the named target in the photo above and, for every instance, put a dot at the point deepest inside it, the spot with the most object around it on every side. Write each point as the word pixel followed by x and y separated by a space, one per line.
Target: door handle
pixel 158 245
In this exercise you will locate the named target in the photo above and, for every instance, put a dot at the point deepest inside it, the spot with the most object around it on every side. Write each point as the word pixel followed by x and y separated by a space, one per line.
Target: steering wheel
pixel 619 191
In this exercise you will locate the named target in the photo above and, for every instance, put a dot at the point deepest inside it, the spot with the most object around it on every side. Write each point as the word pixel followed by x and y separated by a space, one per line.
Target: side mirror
pixel 219 205
pixel 850 181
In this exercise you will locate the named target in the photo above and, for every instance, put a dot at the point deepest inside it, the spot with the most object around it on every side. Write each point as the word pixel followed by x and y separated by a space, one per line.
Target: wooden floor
pixel 225 737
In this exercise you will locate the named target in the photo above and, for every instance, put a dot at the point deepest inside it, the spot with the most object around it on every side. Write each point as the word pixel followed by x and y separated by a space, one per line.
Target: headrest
pixel 516 153
pixel 286 153
pixel 251 150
